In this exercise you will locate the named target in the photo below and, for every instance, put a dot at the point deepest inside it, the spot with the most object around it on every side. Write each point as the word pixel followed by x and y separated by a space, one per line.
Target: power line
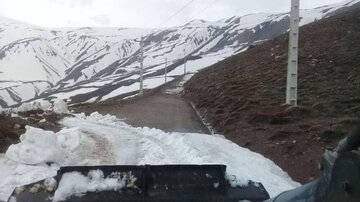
pixel 201 12
pixel 167 20
pixel 181 9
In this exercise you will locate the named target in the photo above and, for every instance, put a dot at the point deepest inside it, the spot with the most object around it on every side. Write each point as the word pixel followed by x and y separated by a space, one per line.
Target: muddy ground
pixel 243 97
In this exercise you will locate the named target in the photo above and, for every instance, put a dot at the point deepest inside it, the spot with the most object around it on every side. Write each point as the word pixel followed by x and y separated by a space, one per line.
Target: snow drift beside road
pixel 106 140
pixel 35 105
pixel 58 106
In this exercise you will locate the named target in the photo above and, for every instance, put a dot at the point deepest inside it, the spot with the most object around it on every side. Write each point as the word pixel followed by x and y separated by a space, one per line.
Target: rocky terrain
pixel 243 96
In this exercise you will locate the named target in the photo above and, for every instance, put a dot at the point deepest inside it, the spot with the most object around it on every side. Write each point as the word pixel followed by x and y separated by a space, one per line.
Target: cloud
pixel 88 3
pixel 101 19
pixel 71 23
pixel 56 1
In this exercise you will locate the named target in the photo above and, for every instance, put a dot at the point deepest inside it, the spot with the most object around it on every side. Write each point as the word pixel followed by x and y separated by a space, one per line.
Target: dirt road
pixel 168 112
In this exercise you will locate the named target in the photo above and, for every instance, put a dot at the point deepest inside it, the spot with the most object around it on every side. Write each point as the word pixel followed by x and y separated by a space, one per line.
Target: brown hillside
pixel 243 96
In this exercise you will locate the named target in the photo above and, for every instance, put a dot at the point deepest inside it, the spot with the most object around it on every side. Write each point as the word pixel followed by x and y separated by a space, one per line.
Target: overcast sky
pixel 137 13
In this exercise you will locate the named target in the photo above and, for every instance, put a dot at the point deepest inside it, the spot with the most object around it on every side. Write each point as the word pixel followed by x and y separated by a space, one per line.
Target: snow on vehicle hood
pixel 106 140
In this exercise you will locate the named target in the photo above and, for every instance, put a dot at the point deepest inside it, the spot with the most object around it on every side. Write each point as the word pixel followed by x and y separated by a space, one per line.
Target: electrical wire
pixel 172 16
pixel 175 14
pixel 201 12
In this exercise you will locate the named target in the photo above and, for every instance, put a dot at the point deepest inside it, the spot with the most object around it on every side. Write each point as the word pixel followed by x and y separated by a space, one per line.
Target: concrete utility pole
pixel 141 90
pixel 165 70
pixel 184 62
pixel 292 68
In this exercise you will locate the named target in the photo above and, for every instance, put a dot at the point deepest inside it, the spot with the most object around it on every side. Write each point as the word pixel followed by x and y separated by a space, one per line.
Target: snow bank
pixel 36 146
pixel 59 106
pixel 106 140
pixel 35 105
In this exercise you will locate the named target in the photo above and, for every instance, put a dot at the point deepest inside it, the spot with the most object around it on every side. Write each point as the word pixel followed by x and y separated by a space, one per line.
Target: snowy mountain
pixel 96 64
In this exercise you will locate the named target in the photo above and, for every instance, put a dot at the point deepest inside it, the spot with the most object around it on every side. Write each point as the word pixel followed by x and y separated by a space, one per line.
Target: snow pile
pixel 106 140
pixel 38 146
pixel 60 107
pixel 43 105
pixel 75 183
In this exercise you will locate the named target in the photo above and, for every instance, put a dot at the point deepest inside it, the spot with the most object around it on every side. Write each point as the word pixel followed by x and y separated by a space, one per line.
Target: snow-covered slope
pixel 95 64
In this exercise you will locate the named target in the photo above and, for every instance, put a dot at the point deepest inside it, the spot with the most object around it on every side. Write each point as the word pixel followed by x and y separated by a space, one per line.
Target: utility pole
pixel 165 70
pixel 184 62
pixel 292 68
pixel 141 90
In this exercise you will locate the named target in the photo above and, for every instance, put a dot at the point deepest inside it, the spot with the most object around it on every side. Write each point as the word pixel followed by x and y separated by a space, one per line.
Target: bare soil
pixel 243 97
